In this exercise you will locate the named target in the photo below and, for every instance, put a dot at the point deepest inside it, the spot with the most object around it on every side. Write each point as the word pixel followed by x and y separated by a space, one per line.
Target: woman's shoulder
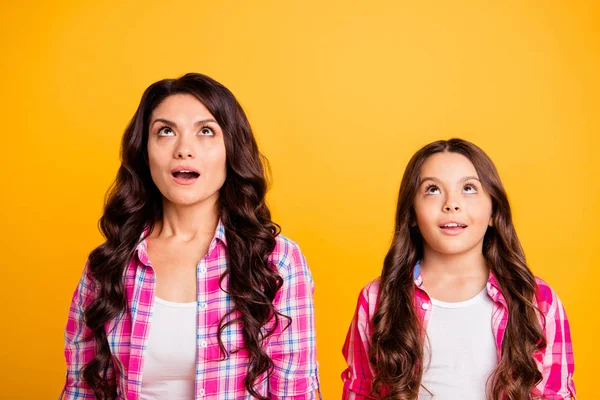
pixel 286 255
pixel 546 298
pixel 87 288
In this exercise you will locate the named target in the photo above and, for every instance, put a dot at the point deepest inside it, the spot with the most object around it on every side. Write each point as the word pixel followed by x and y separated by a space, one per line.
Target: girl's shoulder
pixel 369 298
pixel 371 290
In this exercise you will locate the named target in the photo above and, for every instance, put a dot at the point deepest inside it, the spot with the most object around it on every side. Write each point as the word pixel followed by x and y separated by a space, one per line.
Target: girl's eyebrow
pixel 469 178
pixel 461 180
pixel 428 178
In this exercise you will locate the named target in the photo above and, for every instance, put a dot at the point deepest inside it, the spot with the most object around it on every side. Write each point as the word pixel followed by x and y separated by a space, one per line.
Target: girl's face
pixel 452 208
pixel 186 151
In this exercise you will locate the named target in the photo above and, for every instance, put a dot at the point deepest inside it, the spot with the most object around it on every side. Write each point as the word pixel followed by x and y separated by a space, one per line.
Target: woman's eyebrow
pixel 171 123
pixel 205 121
pixel 164 121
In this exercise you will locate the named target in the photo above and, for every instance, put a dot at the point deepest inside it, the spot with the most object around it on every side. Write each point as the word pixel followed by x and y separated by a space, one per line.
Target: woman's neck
pixel 187 222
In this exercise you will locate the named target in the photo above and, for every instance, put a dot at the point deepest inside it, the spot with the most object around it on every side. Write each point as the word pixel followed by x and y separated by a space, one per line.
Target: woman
pixel 194 294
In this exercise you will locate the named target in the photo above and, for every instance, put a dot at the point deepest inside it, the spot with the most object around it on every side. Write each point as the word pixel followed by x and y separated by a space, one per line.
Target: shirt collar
pixel 142 248
pixel 220 233
pixel 417 275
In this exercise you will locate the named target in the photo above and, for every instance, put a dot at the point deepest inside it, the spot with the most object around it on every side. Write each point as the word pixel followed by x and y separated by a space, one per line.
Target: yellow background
pixel 340 95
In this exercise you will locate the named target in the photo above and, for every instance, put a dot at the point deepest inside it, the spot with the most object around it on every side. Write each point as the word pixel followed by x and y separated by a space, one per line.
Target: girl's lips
pixel 453 231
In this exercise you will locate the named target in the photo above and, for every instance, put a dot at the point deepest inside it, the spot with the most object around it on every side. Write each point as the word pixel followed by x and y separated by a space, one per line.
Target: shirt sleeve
pixel 293 349
pixel 557 364
pixel 79 342
pixel 358 377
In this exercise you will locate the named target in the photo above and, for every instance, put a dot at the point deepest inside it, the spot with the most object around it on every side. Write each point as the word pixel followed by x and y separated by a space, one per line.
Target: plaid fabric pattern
pixel 293 350
pixel 555 362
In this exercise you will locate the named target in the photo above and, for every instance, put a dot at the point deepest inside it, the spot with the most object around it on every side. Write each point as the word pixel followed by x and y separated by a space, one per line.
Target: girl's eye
pixel 432 189
pixel 206 131
pixel 165 131
pixel 469 188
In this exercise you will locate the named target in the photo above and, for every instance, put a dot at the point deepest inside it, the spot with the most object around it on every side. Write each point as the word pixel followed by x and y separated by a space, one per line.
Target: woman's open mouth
pixel 185 176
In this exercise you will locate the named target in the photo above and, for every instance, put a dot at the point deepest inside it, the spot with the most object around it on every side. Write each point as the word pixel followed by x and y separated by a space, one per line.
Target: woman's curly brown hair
pixel 134 203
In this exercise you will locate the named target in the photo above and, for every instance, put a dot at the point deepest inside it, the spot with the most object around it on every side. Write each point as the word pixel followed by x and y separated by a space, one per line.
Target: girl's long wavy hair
pixel 398 338
pixel 134 203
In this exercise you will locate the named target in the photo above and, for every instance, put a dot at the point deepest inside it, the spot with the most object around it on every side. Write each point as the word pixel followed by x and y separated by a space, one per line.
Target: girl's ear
pixel 412 219
pixel 491 221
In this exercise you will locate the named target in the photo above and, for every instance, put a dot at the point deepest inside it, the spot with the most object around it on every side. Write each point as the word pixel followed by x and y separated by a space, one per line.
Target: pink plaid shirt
pixel 555 362
pixel 292 350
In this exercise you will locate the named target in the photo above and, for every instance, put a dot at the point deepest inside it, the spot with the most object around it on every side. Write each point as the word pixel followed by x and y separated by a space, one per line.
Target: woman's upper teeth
pixel 452 225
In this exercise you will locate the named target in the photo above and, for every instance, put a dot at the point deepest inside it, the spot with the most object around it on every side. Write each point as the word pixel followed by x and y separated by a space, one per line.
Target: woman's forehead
pixel 181 106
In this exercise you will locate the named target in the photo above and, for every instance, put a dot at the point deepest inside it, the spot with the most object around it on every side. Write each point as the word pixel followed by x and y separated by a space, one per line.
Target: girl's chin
pixel 456 249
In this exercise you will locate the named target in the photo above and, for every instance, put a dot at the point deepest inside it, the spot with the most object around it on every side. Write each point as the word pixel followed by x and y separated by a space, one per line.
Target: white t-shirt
pixel 462 349
pixel 169 370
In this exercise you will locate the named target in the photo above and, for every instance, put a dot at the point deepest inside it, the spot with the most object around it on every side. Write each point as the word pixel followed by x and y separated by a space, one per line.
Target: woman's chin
pixel 190 199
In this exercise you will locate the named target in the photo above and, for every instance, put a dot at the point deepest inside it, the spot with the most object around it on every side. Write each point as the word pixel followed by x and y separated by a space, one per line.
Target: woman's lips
pixel 185 178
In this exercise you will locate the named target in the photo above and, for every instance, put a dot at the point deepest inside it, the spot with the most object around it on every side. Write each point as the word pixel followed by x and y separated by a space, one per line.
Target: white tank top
pixel 463 349
pixel 169 368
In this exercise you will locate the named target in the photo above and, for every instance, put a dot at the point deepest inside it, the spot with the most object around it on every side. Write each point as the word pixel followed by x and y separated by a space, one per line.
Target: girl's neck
pixel 464 265
pixel 454 278
pixel 187 222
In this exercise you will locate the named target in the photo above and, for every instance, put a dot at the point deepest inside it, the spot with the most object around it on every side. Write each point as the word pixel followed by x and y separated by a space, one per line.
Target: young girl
pixel 194 294
pixel 456 313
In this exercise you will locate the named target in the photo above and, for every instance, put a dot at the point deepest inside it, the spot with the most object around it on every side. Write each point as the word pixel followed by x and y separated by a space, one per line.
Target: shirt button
pixel 203 343
pixel 201 392
pixel 203 306
pixel 203 270
pixel 425 306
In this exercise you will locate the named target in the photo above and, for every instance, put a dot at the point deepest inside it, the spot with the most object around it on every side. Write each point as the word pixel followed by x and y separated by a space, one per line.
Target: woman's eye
pixel 432 190
pixel 166 131
pixel 470 189
pixel 207 132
